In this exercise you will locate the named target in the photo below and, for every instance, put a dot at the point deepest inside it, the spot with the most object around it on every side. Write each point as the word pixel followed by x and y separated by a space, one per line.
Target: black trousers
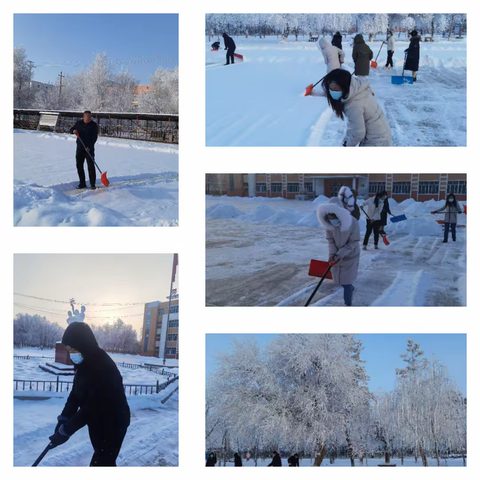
pixel 453 227
pixel 106 445
pixel 80 157
pixel 375 228
pixel 230 55
pixel 389 58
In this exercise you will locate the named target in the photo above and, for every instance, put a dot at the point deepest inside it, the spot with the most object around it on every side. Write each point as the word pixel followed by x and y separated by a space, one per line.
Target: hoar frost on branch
pixel 309 394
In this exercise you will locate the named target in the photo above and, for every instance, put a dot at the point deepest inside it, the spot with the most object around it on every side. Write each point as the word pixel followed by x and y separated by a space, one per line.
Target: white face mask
pixel 76 358
pixel 335 222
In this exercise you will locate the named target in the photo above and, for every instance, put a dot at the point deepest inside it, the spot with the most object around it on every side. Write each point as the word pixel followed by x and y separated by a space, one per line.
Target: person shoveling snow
pixel 97 398
pixel 451 208
pixel 333 56
pixel 230 48
pixel 343 236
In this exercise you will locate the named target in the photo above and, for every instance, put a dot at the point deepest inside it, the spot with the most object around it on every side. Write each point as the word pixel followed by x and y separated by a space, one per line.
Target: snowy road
pixel 151 440
pixel 264 261
pixel 143 183
pixel 260 101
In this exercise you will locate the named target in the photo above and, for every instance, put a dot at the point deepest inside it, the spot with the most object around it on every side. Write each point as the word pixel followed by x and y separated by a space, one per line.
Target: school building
pixel 307 186
pixel 160 332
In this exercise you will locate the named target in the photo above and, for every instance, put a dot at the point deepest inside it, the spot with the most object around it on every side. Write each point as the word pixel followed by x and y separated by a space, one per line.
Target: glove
pixel 59 437
pixel 344 144
pixel 332 260
pixel 61 420
pixel 433 213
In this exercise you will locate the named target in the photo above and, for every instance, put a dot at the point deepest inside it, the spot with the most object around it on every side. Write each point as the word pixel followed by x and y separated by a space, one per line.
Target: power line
pixel 80 303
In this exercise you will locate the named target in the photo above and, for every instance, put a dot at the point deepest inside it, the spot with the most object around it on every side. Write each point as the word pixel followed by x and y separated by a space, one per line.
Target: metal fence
pixel 28 357
pixel 62 386
pixel 142 126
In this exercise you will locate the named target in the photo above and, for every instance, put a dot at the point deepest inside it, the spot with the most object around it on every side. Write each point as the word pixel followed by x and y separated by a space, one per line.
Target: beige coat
pixel 343 241
pixel 367 124
pixel 333 56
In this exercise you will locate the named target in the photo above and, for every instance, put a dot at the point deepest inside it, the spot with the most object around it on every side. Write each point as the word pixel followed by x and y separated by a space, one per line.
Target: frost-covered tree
pixel 22 78
pixel 35 331
pixel 163 94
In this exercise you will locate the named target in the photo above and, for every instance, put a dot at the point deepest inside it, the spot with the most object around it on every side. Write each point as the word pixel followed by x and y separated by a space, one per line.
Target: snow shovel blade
pixel 385 241
pixel 400 80
pixel 464 209
pixel 374 64
pixel 308 90
pixel 398 218
pixel 318 269
pixel 104 179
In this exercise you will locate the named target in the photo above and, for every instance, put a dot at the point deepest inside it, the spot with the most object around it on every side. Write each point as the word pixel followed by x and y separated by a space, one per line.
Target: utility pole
pixel 30 67
pixel 62 76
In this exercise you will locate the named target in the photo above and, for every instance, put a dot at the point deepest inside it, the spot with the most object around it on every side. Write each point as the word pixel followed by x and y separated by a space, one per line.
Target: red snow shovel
pixel 103 175
pixel 384 237
pixel 374 63
pixel 308 90
pixel 330 265
pixel 318 269
pixel 40 458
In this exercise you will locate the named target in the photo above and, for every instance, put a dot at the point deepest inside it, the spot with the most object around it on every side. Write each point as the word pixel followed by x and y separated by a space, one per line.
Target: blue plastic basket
pixel 400 80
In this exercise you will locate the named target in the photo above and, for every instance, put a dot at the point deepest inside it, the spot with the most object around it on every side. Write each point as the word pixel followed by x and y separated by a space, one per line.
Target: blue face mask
pixel 450 200
pixel 335 222
pixel 335 95
pixel 76 358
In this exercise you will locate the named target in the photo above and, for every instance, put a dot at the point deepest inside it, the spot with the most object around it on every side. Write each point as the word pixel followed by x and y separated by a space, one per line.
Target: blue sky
pixel 382 354
pixel 68 42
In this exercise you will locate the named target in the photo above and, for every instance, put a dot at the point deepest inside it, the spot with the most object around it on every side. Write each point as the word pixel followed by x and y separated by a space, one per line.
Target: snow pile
pixel 261 214
pixel 436 62
pixel 223 210
pixel 285 217
pixel 309 220
pixel 320 199
pixel 422 208
pixel 417 226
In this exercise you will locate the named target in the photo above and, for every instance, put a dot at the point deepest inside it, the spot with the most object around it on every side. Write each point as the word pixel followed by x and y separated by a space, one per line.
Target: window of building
pixel 276 187
pixel 457 187
pixel 174 309
pixel 401 187
pixel 428 187
pixel 157 338
pixel 161 312
pixel 232 183
pixel 261 187
pixel 173 324
pixel 171 351
pixel 376 187
pixel 308 187
pixel 172 337
pixel 293 187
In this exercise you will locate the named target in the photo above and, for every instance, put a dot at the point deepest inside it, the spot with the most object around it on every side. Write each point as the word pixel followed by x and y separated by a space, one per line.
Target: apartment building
pixel 305 186
pixel 160 332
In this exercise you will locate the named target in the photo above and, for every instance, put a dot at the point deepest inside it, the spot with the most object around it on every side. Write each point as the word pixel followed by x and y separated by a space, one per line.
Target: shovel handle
pixel 42 455
pixel 318 286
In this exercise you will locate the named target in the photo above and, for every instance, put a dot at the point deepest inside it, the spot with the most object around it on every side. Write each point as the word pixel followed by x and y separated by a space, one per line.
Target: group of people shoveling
pixel 230 47
pixel 340 218
pixel 351 96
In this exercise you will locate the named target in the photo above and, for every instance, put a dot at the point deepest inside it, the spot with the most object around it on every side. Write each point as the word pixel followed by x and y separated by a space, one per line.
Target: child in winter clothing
pixel 362 55
pixel 333 56
pixel 451 208
pixel 353 97
pixel 374 207
pixel 343 236
pixel 390 49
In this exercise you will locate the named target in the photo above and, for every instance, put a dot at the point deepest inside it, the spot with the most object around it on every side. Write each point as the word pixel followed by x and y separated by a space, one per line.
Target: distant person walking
pixel 276 460
pixel 230 48
pixel 337 40
pixel 343 237
pixel 87 129
pixel 333 56
pixel 211 460
pixel 412 59
pixel 362 55
pixel 96 400
pixel 238 460
pixel 451 208
pixel 294 460
pixel 390 49
pixel 352 97
pixel 373 207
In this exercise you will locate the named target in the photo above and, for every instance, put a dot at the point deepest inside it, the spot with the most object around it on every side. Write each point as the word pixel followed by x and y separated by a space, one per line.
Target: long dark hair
pixel 451 195
pixel 378 196
pixel 343 79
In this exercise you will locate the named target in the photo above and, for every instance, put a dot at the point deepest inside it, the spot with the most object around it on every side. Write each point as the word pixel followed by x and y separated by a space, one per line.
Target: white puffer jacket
pixel 375 213
pixel 367 124
pixel 333 56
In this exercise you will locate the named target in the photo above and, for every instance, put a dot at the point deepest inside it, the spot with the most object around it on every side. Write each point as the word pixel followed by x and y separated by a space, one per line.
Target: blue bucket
pixel 400 80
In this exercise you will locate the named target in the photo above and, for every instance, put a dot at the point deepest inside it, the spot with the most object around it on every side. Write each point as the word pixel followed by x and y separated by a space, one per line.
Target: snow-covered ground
pixel 261 102
pixel 258 252
pixel 143 187
pixel 29 369
pixel 151 440
pixel 344 462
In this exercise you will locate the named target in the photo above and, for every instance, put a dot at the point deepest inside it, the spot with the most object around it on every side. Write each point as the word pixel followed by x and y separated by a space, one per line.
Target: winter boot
pixel 364 247
pixel 376 247
pixel 93 187
pixel 80 186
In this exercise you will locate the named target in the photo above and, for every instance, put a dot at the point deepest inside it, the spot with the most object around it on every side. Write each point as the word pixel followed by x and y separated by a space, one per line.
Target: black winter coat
pixel 229 43
pixel 362 54
pixel 337 41
pixel 238 460
pixel 97 398
pixel 293 462
pixel 386 211
pixel 276 461
pixel 413 54
pixel 88 133
pixel 211 461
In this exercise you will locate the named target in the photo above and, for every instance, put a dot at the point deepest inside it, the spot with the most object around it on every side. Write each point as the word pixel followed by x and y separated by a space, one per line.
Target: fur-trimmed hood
pixel 335 206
